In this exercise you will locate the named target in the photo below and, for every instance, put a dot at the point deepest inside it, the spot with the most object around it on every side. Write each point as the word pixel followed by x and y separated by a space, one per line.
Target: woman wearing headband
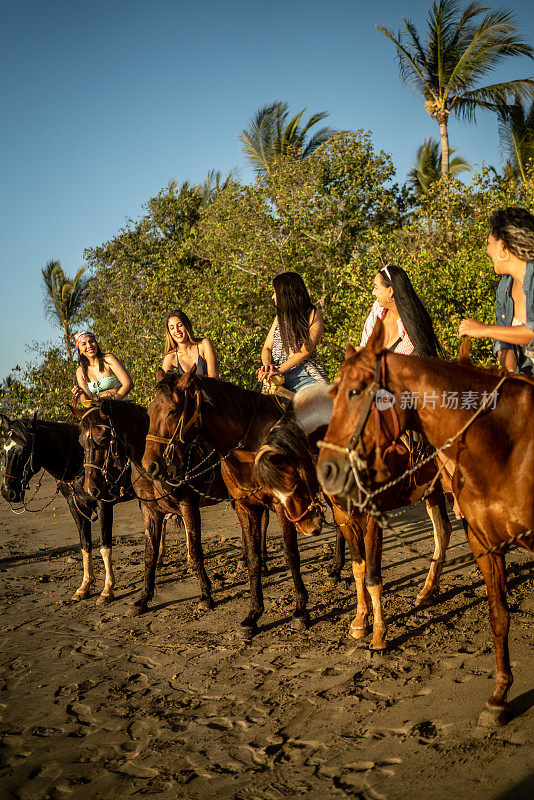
pixel 407 324
pixel 99 375
pixel 184 350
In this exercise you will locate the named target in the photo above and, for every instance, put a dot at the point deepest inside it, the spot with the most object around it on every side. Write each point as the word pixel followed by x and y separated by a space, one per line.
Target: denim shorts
pixel 297 378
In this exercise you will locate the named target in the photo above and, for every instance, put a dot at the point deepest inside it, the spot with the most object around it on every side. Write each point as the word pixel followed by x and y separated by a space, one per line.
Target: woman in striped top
pixel 407 323
pixel 289 349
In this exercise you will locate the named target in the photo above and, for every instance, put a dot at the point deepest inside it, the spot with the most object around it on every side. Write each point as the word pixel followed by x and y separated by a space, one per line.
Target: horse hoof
pixel 494 717
pixel 138 608
pixel 77 596
pixel 300 623
pixel 248 632
pixel 104 599
pixel 359 631
pixel 425 600
pixel 333 578
pixel 205 604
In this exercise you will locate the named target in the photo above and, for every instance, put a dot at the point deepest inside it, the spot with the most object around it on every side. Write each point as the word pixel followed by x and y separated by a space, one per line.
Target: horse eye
pixel 354 392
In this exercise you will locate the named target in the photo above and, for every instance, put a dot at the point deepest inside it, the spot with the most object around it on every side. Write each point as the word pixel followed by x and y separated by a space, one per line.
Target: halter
pixel 112 455
pixel 28 469
pixel 181 429
pixel 379 382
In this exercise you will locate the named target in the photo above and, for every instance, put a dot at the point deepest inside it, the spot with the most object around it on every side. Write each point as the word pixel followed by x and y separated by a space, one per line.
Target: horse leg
pixel 334 573
pixel 249 518
pixel 264 525
pixel 493 569
pixel 105 517
pixel 373 579
pixel 190 512
pixel 84 529
pixel 153 521
pixel 162 549
pixel 437 511
pixel 300 619
pixel 353 536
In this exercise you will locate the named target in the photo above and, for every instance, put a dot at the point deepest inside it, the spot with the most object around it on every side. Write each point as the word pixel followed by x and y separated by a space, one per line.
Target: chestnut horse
pixel 361 531
pixel 112 433
pixel 485 437
pixel 237 423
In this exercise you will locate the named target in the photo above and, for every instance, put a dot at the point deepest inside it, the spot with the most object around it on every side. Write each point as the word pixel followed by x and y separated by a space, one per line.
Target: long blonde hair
pixel 170 344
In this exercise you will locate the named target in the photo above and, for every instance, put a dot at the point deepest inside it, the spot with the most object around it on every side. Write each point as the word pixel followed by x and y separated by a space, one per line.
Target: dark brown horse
pixel 112 433
pixel 237 423
pixel 481 421
pixel 31 445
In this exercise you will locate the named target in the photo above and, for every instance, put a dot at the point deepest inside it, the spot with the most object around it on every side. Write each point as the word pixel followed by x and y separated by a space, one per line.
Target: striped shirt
pixel 404 347
pixel 311 364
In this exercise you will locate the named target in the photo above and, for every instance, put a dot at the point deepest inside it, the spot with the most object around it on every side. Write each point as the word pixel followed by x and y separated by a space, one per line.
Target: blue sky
pixel 104 102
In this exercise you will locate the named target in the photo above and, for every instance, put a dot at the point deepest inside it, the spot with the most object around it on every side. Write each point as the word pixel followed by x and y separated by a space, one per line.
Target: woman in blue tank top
pixel 99 375
pixel 184 350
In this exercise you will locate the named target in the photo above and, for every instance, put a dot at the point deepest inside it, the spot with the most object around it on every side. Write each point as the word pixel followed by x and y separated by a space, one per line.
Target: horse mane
pixel 285 439
pixel 233 398
pixel 124 412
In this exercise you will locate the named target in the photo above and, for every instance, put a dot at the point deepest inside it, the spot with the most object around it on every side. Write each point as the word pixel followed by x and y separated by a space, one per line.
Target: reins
pixel 368 506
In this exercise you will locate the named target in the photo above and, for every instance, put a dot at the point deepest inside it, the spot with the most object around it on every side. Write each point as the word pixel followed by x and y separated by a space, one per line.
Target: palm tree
pixel 63 297
pixel 427 168
pixel 461 48
pixel 516 132
pixel 271 134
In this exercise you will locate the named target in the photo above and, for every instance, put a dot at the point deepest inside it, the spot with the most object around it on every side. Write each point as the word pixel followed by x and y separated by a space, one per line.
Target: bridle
pixel 369 406
pixel 182 427
pixel 112 457
pixel 28 469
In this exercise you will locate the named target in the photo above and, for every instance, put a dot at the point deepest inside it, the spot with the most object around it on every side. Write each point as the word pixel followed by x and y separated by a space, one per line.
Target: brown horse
pixel 112 433
pixel 237 423
pixel 361 531
pixel 480 421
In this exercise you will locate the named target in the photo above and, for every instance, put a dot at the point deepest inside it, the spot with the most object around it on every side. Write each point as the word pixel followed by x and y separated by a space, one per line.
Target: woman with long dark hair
pixel 407 324
pixel 184 350
pixel 99 374
pixel 289 349
pixel 511 249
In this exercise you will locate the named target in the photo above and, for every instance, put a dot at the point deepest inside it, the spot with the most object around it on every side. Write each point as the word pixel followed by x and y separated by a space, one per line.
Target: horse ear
pixel 105 408
pixel 6 422
pixel 350 351
pixel 159 375
pixel 186 379
pixel 376 340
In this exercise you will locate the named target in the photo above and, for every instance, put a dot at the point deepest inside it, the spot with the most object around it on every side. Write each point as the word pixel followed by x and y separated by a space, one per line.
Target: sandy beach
pixel 96 703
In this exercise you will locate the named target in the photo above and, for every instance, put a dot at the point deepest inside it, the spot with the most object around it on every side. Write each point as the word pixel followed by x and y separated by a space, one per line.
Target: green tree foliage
pixel 64 298
pixel 271 134
pixel 427 168
pixel 516 132
pixel 335 217
pixel 462 46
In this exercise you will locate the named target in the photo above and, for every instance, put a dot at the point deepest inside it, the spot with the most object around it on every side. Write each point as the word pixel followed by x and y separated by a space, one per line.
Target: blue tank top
pixel 105 382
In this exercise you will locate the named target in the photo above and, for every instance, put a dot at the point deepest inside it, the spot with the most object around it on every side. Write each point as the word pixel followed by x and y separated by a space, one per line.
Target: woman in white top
pixel 289 349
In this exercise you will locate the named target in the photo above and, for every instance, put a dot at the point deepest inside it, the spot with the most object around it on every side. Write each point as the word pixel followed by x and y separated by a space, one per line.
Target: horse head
pixel 284 466
pixel 175 422
pixel 367 419
pixel 105 459
pixel 21 461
